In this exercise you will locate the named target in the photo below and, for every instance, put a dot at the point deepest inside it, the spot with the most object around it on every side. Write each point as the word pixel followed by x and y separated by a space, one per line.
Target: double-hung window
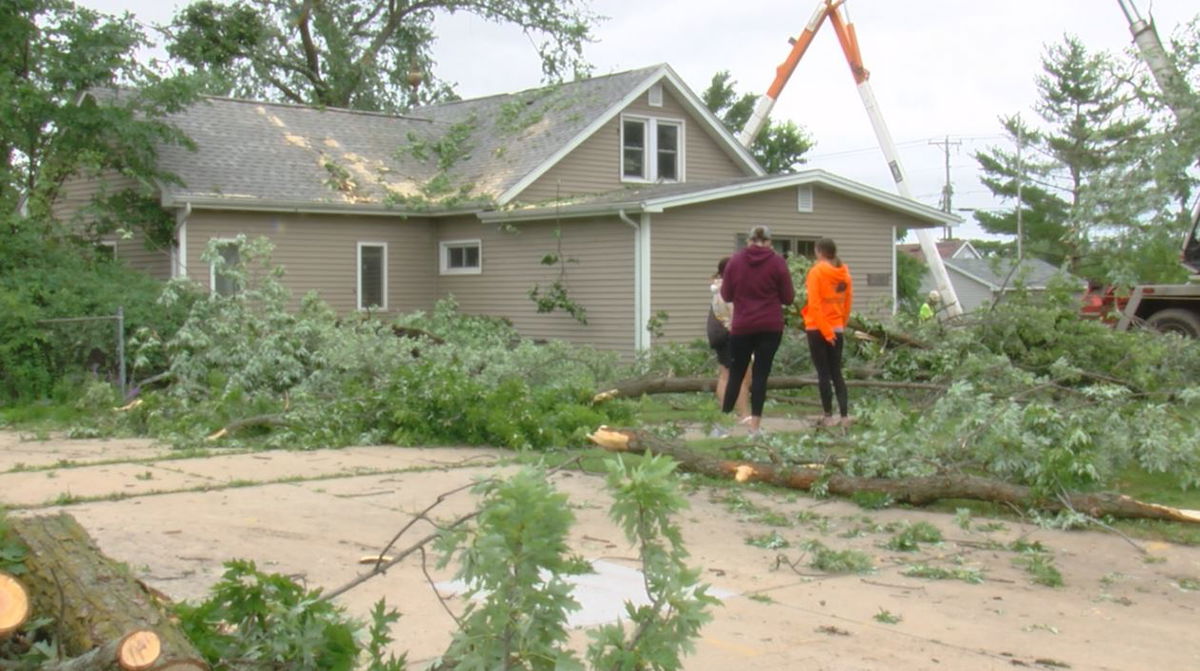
pixel 372 275
pixel 651 150
pixel 223 277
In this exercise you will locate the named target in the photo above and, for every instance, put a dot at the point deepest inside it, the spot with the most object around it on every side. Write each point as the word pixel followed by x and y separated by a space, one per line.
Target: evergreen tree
pixel 1079 168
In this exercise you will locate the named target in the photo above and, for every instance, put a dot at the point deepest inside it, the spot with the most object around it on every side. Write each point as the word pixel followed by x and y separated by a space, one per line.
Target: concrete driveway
pixel 313 515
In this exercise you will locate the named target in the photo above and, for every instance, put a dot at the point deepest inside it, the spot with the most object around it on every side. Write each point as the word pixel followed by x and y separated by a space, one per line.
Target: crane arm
pixel 762 109
pixel 848 39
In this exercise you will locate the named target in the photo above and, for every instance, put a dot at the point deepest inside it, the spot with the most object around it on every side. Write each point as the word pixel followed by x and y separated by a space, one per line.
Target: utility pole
pixel 948 189
pixel 1020 183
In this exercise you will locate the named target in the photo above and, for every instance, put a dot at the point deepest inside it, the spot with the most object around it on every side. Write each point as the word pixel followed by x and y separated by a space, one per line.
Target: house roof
pixel 947 249
pixel 995 273
pixel 451 156
pixel 658 197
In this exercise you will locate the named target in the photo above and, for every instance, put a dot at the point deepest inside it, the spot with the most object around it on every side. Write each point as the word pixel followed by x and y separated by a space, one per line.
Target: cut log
pixel 675 385
pixel 14 605
pixel 915 490
pixel 93 600
pixel 136 651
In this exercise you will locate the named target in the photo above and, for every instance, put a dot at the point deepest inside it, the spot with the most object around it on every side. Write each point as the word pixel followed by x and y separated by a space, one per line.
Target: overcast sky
pixel 938 67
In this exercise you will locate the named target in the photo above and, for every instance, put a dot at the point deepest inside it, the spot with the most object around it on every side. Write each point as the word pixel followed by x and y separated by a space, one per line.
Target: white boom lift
pixel 831 9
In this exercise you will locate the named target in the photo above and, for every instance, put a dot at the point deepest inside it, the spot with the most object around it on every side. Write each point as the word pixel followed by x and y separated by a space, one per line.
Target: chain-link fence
pixel 85 339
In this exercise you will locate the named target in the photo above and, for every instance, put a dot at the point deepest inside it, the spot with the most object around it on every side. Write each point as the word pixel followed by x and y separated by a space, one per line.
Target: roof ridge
pixel 513 94
pixel 317 108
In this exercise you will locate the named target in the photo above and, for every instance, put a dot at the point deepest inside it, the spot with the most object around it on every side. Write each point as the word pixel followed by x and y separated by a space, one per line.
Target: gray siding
pixel 688 241
pixel 594 166
pixel 77 192
pixel 320 253
pixel 601 281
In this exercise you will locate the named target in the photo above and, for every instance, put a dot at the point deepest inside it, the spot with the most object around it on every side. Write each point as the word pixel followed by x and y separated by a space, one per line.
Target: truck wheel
pixel 1176 320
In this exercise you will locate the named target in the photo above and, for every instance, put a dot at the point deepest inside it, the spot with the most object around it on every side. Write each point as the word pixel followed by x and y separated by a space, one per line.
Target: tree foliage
pixel 779 147
pixel 1103 169
pixel 355 53
pixel 51 53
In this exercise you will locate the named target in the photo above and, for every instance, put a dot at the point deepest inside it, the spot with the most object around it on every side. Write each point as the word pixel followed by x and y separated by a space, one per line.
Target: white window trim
pixel 651 149
pixel 444 250
pixel 358 276
pixel 109 243
pixel 212 266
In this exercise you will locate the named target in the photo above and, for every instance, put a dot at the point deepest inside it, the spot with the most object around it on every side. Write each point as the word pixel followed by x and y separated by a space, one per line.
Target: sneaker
pixel 718 432
pixel 829 420
pixel 755 434
pixel 846 421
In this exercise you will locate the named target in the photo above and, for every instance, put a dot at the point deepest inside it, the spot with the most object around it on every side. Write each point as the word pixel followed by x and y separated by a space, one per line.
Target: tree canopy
pixel 779 147
pixel 355 53
pixel 74 98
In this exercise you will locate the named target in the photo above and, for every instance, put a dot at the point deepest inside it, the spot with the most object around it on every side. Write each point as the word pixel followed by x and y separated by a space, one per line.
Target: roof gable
pixel 709 123
pixel 999 273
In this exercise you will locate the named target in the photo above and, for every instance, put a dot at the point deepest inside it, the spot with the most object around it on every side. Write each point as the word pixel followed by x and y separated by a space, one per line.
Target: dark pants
pixel 762 346
pixel 828 360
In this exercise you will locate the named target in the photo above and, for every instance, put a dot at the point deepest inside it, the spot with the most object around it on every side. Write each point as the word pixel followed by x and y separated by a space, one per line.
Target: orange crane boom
pixel 848 39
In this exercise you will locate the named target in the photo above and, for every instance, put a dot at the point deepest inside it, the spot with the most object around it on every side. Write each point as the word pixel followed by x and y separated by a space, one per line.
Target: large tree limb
pixel 674 385
pixel 914 490
pixel 14 605
pixel 92 599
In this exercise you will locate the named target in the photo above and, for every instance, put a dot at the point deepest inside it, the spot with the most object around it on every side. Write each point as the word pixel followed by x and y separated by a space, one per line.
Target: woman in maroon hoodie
pixel 758 283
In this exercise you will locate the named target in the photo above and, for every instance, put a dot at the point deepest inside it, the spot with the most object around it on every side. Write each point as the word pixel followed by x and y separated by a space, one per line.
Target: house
pixel 979 281
pixel 627 179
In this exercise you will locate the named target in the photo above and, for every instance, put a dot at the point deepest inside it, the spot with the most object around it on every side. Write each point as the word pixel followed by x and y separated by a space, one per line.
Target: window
pixel 106 250
pixel 804 199
pixel 224 280
pixel 788 245
pixel 461 257
pixel 651 150
pixel 372 275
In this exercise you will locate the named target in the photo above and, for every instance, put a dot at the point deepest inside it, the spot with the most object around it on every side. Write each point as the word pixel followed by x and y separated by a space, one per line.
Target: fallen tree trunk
pixel 14 605
pixel 914 490
pixel 94 601
pixel 674 385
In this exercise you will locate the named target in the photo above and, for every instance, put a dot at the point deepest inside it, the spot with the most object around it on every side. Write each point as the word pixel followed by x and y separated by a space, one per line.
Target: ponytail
pixel 827 249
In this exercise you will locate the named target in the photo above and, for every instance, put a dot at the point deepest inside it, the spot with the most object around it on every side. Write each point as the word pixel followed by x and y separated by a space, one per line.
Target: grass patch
pixel 771 541
pixel 968 575
pixel 888 617
pixel 1041 569
pixel 838 561
pixel 911 537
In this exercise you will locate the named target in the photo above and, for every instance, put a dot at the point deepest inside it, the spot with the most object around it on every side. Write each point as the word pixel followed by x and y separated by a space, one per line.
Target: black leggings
pixel 763 346
pixel 828 360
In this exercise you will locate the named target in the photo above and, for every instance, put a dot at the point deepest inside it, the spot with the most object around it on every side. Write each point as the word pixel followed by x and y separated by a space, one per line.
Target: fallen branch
pixel 675 385
pixel 915 490
pixel 258 420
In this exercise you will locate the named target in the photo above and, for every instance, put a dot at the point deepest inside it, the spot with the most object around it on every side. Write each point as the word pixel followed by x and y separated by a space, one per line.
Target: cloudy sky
pixel 939 68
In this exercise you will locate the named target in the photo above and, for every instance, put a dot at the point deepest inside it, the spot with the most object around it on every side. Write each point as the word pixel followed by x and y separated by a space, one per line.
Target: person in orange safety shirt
pixel 830 297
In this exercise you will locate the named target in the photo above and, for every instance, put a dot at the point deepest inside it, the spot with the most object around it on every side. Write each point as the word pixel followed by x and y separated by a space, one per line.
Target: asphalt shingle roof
pixel 275 153
pixel 1032 273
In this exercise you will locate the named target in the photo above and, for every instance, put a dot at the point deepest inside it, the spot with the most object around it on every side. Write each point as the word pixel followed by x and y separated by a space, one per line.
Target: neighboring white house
pixel 979 281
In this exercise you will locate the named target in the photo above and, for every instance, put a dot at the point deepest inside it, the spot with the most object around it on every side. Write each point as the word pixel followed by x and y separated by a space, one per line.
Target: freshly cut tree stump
pixel 95 602
pixel 913 490
pixel 14 605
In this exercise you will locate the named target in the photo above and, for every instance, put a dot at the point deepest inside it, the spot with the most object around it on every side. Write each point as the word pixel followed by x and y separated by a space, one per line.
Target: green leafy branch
pixel 556 297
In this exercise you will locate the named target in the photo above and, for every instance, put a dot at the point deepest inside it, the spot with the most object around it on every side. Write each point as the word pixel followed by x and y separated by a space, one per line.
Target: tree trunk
pixel 14 605
pixel 674 385
pixel 914 490
pixel 92 599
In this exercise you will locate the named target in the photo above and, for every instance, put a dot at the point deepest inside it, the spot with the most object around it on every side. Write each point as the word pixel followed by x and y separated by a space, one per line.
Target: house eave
pixel 930 215
pixel 303 207
pixel 577 212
